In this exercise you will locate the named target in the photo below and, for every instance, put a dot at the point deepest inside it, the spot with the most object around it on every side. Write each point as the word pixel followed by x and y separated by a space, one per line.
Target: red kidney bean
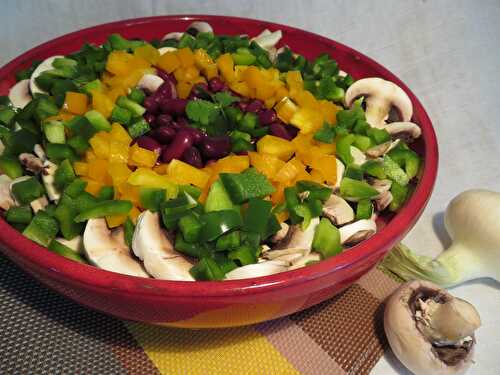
pixel 163 120
pixel 216 85
pixel 163 134
pixel 150 118
pixel 216 147
pixel 167 90
pixel 292 130
pixel 166 76
pixel 242 105
pixel 148 143
pixel 181 142
pixel 255 106
pixel 278 130
pixel 199 91
pixel 182 121
pixel 173 106
pixel 192 156
pixel 267 116
pixel 151 104
pixel 196 134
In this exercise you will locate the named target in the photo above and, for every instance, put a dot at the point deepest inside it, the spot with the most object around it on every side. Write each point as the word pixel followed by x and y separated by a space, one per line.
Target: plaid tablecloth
pixel 44 333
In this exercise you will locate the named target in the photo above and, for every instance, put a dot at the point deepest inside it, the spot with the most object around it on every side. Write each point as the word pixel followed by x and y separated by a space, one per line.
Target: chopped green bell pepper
pixel 129 228
pixel 151 198
pixel 65 215
pixel 64 174
pixel 207 269
pixel 364 210
pixel 98 121
pixel 190 227
pixel 244 254
pixel 216 223
pixel 256 216
pixel 218 198
pixel 60 249
pixel 326 239
pixel 27 190
pixel 246 185
pixel 228 241
pixel 356 190
pixel 105 208
pixel 374 168
pixel 106 193
pixel 315 190
pixel 42 229
pixel 19 215
pixel 394 171
pixel 10 166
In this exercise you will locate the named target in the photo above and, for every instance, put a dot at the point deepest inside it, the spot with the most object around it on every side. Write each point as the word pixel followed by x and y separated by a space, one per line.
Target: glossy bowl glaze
pixel 228 303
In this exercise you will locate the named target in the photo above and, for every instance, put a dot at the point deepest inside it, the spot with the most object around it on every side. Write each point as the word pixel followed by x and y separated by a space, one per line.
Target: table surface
pixel 445 51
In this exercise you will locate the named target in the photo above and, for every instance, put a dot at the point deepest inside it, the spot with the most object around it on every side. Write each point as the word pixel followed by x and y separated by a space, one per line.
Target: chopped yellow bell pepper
pixel 149 178
pixel 141 157
pixel 327 166
pixel 134 214
pixel 307 120
pixel 81 168
pixel 285 109
pixel 100 144
pixel 119 63
pixel 129 192
pixel 169 61
pixel 102 103
pixel 118 133
pixel 289 171
pixel 202 59
pixel 114 221
pixel 279 147
pixel 93 187
pixel 184 173
pixel 184 89
pixel 186 57
pixel 268 165
pixel 232 164
pixel 226 66
pixel 75 102
pixel 118 151
pixel 148 53
pixel 98 171
pixel 119 172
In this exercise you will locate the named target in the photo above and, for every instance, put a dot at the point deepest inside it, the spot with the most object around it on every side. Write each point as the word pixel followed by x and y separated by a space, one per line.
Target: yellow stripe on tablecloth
pixel 222 351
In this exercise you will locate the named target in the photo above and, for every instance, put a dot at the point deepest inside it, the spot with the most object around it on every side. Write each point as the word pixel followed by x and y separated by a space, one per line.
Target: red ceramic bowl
pixel 227 303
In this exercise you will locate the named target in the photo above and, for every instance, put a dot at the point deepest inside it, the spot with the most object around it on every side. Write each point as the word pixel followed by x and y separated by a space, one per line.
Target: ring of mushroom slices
pixel 305 160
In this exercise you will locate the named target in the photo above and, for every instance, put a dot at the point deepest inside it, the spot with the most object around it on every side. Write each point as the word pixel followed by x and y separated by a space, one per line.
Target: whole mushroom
pixel 430 331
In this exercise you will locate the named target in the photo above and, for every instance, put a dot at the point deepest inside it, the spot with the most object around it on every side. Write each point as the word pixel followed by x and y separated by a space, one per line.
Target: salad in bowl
pixel 202 156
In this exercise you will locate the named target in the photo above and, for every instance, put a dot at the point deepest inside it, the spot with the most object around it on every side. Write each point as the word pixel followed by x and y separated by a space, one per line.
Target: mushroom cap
pixel 107 251
pixel 407 342
pixel 299 239
pixel 49 171
pixel 44 66
pixel 268 40
pixel 163 50
pixel 406 127
pixel 337 210
pixel 357 231
pixel 256 270
pixel 174 35
pixel 380 95
pixel 201 26
pixel 358 155
pixel 6 199
pixel 151 244
pixel 150 83
pixel 19 94
pixel 301 262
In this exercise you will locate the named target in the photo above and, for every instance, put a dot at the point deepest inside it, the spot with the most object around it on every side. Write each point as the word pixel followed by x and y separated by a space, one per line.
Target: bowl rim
pixel 94 277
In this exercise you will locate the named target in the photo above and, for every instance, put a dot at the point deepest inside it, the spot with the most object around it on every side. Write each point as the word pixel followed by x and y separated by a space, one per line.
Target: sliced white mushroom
pixel 276 254
pixel 151 244
pixel 407 129
pixel 299 239
pixel 358 155
pixel 340 173
pixel 108 251
pixel 256 270
pixel 380 97
pixel 75 244
pixel 150 83
pixel 31 163
pixel 268 39
pixel 289 258
pixel 303 261
pixel 174 35
pixel 164 50
pixel 337 210
pixel 358 231
pixel 381 149
pixel 281 234
pixel 6 199
pixel 2 147
pixel 383 200
pixel 19 94
pixel 342 73
pixel 201 27
pixel 381 186
pixel 39 204
pixel 48 173
pixel 38 150
pixel 43 67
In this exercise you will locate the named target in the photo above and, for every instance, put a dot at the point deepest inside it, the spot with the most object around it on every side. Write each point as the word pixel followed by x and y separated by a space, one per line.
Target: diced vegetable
pixel 20 215
pixel 326 239
pixel 356 190
pixel 42 229
pixel 27 190
pixel 246 185
pixel 105 208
